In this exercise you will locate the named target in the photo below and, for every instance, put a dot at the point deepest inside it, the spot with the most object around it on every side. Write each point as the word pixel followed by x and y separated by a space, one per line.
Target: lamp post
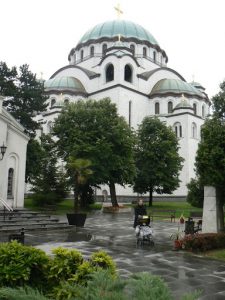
pixel 2 151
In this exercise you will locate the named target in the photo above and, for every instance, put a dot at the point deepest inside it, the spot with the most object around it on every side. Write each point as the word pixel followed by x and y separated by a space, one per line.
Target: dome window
pixel 154 56
pixel 81 55
pixel 109 74
pixel 195 108
pixel 194 130
pixel 170 107
pixel 203 111
pixel 157 108
pixel 128 73
pixel 92 51
pixel 132 48
pixel 178 129
pixel 104 48
pixel 53 102
pixel 144 52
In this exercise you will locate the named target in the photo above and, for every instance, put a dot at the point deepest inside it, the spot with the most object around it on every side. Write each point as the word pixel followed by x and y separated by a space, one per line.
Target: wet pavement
pixel 113 233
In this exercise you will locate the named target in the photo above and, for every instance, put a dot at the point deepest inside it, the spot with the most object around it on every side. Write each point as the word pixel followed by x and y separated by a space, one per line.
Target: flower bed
pixel 203 241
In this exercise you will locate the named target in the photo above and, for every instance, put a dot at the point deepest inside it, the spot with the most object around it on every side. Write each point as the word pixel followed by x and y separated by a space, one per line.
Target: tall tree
pixel 93 130
pixel 157 160
pixel 219 102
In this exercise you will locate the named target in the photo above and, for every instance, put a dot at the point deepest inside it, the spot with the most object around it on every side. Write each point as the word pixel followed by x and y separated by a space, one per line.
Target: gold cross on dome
pixel 118 10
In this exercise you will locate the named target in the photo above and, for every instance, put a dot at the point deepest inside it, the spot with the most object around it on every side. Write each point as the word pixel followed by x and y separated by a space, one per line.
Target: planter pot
pixel 77 219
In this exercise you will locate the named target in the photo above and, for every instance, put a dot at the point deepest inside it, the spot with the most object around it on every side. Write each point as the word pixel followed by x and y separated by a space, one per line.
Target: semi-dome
pixel 64 83
pixel 110 29
pixel 174 86
pixel 184 104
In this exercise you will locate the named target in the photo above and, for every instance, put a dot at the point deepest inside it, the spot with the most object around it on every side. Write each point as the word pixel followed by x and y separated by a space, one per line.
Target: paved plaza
pixel 113 233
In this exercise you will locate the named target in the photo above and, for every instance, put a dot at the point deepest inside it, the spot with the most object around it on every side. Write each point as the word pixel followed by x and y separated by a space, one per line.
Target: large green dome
pixel 110 29
pixel 174 86
pixel 64 83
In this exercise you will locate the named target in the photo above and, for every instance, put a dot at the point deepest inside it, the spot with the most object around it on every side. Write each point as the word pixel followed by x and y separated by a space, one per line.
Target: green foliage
pixel 145 286
pixel 21 265
pixel 204 241
pixel 219 102
pixel 195 194
pixel 192 296
pixel 103 260
pixel 50 183
pixel 157 160
pixel 27 293
pixel 93 130
pixel 84 272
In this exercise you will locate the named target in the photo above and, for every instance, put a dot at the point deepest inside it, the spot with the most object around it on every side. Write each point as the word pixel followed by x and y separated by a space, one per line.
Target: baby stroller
pixel 144 231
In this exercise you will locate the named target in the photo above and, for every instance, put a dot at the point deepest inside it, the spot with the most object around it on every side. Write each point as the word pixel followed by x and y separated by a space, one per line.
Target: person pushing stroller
pixel 142 223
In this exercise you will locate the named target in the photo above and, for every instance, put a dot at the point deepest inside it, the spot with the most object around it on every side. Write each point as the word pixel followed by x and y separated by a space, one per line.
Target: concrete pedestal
pixel 211 211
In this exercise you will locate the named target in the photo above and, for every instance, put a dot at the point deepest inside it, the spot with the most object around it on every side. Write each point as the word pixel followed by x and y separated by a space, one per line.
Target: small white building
pixel 13 163
pixel 122 60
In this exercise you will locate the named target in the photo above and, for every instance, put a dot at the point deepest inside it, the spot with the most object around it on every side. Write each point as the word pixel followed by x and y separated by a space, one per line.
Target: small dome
pixel 197 85
pixel 174 86
pixel 110 29
pixel 184 104
pixel 64 83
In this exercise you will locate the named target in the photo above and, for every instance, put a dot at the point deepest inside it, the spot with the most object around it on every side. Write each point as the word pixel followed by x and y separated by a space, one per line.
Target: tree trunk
pixel 150 197
pixel 112 190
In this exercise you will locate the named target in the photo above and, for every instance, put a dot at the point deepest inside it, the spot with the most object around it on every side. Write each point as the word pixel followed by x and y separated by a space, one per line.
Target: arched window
pixel 128 73
pixel 104 48
pixel 10 183
pixel 154 56
pixel 170 107
pixel 81 55
pixel 132 48
pixel 144 52
pixel 203 111
pixel 195 108
pixel 49 127
pixel 66 101
pixel 194 130
pixel 53 101
pixel 109 74
pixel 178 129
pixel 157 108
pixel 92 51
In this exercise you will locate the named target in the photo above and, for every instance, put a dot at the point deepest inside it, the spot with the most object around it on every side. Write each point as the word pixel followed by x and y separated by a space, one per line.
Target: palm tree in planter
pixel 80 171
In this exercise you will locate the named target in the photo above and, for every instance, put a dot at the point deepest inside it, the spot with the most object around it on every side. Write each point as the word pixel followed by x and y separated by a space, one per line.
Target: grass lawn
pixel 217 254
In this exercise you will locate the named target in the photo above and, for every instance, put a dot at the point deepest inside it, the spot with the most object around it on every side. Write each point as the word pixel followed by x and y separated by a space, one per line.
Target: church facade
pixel 123 61
pixel 13 162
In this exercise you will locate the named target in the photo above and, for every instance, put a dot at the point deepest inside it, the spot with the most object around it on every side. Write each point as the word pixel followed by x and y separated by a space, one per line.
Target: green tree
pixel 195 194
pixel 7 80
pixel 157 160
pixel 93 130
pixel 219 102
pixel 50 182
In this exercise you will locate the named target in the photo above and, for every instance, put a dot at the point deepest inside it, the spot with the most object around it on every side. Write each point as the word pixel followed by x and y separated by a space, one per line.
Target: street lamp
pixel 2 150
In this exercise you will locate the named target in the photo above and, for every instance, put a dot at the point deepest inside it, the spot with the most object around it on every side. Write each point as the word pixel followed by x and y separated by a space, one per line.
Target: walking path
pixel 113 233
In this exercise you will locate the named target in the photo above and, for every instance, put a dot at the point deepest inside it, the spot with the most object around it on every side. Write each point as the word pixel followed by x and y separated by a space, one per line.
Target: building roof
pixel 64 83
pixel 110 29
pixel 174 86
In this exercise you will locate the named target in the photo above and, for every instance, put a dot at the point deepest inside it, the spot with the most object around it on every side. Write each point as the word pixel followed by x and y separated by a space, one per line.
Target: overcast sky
pixel 41 33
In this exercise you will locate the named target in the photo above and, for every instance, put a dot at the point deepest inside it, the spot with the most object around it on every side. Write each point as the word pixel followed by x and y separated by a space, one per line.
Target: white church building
pixel 13 146
pixel 122 60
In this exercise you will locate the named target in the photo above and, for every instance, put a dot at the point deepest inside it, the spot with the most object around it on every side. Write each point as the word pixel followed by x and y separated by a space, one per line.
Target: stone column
pixel 211 211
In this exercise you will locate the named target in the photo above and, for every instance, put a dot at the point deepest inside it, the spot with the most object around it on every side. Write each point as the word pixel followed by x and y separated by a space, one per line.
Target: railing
pixel 6 206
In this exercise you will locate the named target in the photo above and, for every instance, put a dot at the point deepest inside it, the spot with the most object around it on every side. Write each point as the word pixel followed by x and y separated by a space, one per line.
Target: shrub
pixel 21 265
pixel 84 272
pixel 195 194
pixel 64 264
pixel 40 199
pixel 203 241
pixel 144 286
pixel 27 293
pixel 103 260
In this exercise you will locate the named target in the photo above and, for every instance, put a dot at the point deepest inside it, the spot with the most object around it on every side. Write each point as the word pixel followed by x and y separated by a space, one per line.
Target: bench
pixel 163 213
pixel 196 214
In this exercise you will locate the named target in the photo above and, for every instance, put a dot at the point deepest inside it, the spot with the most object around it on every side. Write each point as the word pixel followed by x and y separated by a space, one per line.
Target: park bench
pixel 163 213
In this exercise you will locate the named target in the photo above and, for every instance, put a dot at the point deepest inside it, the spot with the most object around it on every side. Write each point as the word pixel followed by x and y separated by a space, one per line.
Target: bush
pixel 22 265
pixel 64 264
pixel 40 199
pixel 195 194
pixel 103 260
pixel 203 241
pixel 27 293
